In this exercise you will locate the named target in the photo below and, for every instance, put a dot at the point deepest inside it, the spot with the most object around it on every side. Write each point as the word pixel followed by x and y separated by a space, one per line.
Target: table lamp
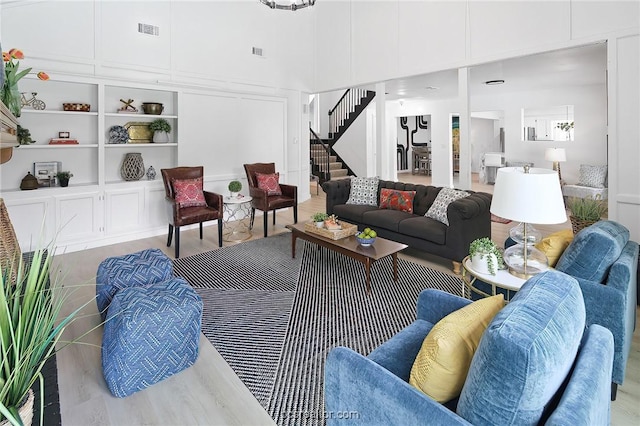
pixel 557 156
pixel 527 195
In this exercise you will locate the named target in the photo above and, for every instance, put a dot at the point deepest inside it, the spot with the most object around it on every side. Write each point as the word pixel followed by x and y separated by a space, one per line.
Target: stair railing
pixel 345 106
pixel 320 168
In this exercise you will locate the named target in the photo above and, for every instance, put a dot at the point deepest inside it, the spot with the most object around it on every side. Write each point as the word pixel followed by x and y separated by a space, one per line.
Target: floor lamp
pixel 527 195
pixel 556 156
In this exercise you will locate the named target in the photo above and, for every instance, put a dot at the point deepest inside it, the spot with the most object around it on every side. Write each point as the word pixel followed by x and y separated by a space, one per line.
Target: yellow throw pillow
pixel 442 364
pixel 555 244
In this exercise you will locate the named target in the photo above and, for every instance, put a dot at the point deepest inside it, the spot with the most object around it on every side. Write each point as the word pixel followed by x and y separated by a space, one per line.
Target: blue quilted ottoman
pixel 151 333
pixel 131 270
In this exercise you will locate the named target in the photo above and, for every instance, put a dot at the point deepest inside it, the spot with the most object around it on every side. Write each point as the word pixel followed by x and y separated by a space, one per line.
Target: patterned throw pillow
pixel 189 192
pixel 593 176
pixel 364 191
pixel 269 183
pixel 438 209
pixel 397 200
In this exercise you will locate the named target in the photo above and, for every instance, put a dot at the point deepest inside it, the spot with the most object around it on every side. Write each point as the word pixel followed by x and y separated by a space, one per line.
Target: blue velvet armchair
pixel 535 364
pixel 605 263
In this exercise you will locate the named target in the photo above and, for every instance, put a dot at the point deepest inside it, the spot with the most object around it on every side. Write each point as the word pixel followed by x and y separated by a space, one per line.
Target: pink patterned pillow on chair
pixel 189 192
pixel 269 183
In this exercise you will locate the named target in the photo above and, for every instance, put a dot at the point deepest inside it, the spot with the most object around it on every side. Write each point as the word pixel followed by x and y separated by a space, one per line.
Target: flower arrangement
pixel 160 125
pixel 319 217
pixel 235 186
pixel 485 249
pixel 10 95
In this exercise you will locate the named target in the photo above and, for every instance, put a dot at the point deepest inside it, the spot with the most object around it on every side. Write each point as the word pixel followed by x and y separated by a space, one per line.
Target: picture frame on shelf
pixel 45 172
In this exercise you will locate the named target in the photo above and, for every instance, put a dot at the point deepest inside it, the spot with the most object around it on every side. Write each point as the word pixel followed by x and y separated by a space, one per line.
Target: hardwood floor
pixel 209 393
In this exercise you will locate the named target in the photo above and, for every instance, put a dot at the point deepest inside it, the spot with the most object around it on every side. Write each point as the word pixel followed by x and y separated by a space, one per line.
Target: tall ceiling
pixel 579 66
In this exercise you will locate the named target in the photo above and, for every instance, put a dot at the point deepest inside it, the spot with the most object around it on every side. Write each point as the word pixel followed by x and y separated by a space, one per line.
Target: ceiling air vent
pixel 257 51
pixel 148 29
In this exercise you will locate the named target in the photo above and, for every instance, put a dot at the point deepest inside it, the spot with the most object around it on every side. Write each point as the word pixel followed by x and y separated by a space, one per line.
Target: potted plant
pixel 63 178
pixel 30 307
pixel 160 128
pixel 319 218
pixel 585 211
pixel 486 258
pixel 235 186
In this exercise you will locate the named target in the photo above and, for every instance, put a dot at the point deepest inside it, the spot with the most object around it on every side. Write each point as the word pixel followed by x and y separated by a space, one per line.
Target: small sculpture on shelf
pixel 127 107
pixel 132 166
pixel 151 173
pixel 32 101
pixel 118 134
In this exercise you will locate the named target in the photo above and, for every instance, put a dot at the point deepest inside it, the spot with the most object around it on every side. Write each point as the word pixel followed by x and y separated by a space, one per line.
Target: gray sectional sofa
pixel 469 218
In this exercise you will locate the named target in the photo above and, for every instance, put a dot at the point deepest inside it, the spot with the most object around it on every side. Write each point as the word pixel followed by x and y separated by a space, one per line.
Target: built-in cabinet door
pixel 33 220
pixel 156 207
pixel 79 217
pixel 124 210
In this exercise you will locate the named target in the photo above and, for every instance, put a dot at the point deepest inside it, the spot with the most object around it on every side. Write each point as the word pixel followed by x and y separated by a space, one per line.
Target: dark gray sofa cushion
pixel 352 212
pixel 385 218
pixel 424 228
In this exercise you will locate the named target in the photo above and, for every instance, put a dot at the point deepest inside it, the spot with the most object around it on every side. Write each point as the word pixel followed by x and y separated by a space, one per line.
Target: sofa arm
pixel 433 305
pixel 357 391
pixel 337 192
pixel 469 219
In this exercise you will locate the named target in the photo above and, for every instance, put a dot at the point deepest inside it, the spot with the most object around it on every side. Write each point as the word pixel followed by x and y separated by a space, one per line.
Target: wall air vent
pixel 257 51
pixel 148 29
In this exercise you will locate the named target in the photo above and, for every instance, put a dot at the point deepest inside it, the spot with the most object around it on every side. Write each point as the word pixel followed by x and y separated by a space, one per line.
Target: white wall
pixel 484 138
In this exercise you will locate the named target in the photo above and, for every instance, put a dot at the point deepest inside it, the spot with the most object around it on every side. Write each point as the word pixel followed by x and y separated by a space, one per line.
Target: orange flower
pixel 43 75
pixel 16 53
pixel 6 57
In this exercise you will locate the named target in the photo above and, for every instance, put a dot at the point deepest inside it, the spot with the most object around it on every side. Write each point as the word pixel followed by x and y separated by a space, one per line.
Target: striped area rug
pixel 274 319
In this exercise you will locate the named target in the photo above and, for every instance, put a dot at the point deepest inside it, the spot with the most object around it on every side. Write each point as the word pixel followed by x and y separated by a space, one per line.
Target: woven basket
pixel 25 411
pixel 9 248
pixel 579 224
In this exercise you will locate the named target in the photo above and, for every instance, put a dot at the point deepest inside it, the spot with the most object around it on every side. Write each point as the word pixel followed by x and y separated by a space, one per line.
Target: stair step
pixel 339 173
pixel 335 165
pixel 323 158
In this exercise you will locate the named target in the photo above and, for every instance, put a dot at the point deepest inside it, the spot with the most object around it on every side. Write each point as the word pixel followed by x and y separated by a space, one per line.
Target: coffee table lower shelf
pixel 349 247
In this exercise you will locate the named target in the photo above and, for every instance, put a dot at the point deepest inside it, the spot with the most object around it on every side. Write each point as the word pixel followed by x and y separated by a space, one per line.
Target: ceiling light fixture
pixel 493 82
pixel 289 5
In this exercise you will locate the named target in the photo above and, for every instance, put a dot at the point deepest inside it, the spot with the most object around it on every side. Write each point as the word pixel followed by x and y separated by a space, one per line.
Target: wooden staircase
pixel 325 163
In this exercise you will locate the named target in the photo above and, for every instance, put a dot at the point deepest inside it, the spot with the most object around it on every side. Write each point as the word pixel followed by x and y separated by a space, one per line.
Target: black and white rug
pixel 274 319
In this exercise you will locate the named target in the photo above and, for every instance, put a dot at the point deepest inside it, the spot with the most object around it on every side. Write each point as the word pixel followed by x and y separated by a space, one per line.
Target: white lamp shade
pixel 555 154
pixel 533 197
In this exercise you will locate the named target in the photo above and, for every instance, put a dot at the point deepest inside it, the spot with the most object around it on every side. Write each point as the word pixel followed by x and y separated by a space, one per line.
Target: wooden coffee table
pixel 349 247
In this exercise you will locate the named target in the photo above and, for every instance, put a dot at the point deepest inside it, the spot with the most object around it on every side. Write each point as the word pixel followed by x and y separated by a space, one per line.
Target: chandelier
pixel 288 4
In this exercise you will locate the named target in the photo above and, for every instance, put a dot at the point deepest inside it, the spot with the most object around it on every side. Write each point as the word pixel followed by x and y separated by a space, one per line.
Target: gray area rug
pixel 274 319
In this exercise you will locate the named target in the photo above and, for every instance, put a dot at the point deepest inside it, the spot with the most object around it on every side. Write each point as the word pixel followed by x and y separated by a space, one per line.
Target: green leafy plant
pixel 319 217
pixel 565 126
pixel 30 328
pixel 235 186
pixel 484 246
pixel 64 175
pixel 160 125
pixel 588 208
pixel 24 136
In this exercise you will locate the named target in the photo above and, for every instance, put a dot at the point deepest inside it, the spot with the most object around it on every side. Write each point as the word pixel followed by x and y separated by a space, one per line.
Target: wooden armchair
pixel 265 202
pixel 192 210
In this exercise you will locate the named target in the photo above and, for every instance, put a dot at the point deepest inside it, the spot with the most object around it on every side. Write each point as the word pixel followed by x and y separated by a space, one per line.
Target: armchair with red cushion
pixel 188 203
pixel 268 193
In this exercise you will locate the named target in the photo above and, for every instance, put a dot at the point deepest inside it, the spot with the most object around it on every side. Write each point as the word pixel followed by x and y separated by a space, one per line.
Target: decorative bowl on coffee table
pixel 365 242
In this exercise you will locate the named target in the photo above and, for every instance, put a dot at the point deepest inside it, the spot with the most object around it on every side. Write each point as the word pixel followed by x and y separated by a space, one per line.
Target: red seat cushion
pixel 269 183
pixel 188 192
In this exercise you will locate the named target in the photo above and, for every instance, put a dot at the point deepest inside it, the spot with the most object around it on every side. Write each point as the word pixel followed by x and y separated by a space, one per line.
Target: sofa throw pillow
pixel 364 191
pixel 438 209
pixel 188 192
pixel 397 200
pixel 269 183
pixel 443 361
pixel 554 245
pixel 593 176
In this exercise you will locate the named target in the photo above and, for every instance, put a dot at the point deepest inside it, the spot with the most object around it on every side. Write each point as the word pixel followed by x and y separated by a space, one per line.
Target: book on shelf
pixel 63 141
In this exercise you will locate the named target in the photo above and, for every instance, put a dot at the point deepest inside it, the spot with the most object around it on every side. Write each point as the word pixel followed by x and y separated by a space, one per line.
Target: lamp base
pixel 525 261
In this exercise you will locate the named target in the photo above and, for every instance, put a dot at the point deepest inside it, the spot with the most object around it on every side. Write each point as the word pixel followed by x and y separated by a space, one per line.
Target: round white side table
pixel 503 279
pixel 235 212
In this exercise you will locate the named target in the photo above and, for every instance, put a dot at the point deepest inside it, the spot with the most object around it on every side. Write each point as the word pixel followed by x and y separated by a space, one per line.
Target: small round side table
pixel 235 211
pixel 502 282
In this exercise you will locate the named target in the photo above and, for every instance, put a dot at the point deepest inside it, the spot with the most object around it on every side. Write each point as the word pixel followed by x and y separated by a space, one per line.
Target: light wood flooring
pixel 209 393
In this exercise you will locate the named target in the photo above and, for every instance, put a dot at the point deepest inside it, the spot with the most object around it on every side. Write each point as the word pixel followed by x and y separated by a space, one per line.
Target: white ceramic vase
pixel 160 137
pixel 479 263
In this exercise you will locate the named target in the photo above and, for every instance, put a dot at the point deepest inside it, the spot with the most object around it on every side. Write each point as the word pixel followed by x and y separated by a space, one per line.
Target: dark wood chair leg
pixel 177 232
pixel 220 232
pixel 200 230
pixel 614 390
pixel 253 216
pixel 274 217
pixel 265 222
pixel 170 236
pixel 295 214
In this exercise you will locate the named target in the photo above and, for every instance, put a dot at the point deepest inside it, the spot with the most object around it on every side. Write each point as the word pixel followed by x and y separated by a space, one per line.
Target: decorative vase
pixel 25 411
pixel 11 98
pixel 151 173
pixel 320 224
pixel 480 263
pixel 64 182
pixel 132 166
pixel 160 137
